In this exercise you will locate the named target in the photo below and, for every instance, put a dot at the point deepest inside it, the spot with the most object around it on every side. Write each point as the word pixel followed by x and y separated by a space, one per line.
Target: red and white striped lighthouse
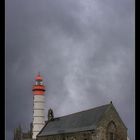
pixel 38 106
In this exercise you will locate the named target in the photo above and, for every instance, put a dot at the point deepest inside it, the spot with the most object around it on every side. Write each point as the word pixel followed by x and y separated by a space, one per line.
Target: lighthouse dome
pixel 38 78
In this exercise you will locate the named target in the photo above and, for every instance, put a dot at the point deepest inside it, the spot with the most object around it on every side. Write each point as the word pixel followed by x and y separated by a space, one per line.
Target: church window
pixel 111 135
pixel 111 131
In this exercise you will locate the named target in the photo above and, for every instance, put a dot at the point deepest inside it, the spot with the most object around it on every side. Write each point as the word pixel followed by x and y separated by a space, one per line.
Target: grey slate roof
pixel 81 121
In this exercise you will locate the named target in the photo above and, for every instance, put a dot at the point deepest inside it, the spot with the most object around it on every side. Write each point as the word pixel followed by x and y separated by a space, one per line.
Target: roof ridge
pixel 82 111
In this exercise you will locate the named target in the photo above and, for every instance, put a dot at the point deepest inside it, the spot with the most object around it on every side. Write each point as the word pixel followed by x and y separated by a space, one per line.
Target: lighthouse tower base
pixel 38 114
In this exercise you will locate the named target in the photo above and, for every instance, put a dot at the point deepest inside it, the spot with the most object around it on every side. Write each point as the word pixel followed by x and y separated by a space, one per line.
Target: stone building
pixel 100 123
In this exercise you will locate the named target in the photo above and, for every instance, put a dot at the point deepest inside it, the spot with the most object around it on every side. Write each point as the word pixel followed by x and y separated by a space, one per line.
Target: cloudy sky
pixel 83 48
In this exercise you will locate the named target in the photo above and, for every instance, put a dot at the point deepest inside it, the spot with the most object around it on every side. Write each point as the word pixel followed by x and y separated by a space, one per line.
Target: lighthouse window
pixel 39 83
pixel 36 83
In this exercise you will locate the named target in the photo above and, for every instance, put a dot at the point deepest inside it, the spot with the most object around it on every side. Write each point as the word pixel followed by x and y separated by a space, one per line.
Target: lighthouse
pixel 38 106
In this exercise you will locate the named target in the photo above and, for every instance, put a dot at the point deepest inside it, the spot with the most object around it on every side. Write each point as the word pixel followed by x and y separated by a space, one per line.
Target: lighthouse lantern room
pixel 38 106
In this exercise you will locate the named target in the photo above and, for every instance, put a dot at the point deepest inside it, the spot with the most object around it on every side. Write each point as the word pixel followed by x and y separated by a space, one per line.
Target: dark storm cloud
pixel 84 50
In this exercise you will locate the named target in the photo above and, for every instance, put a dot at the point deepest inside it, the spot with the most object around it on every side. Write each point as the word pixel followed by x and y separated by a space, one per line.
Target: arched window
pixel 111 131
